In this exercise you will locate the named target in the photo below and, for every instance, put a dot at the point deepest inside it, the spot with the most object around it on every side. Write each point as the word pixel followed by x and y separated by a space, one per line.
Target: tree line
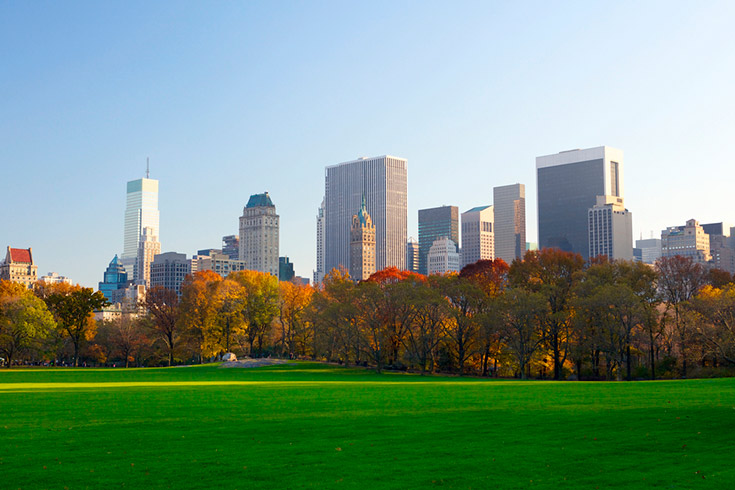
pixel 551 315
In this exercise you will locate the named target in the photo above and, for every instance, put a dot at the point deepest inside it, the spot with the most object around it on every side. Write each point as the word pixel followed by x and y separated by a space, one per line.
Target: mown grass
pixel 306 425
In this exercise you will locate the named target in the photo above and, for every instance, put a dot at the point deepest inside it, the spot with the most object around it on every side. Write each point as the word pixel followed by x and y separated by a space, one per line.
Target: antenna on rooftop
pixel 147 169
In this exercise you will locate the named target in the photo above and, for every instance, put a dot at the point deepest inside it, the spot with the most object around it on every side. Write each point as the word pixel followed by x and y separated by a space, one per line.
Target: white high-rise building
pixel 610 229
pixel 689 240
pixel 319 272
pixel 382 180
pixel 478 241
pixel 259 225
pixel 141 211
pixel 509 203
pixel 442 257
pixel 148 248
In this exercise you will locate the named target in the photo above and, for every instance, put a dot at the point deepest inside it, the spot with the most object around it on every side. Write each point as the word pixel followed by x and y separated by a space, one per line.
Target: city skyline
pixel 227 92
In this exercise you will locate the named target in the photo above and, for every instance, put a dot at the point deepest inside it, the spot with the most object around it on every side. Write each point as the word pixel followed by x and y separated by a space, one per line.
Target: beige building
pixel 443 257
pixel 220 263
pixel 259 225
pixel 362 245
pixel 19 267
pixel 148 247
pixel 55 278
pixel 689 240
pixel 478 237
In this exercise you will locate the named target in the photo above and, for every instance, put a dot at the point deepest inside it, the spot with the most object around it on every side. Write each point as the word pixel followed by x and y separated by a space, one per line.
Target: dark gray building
pixel 169 270
pixel 568 184
pixel 435 223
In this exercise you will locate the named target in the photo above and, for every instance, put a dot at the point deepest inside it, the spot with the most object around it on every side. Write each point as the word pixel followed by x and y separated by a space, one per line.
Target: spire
pixel 147 169
pixel 363 206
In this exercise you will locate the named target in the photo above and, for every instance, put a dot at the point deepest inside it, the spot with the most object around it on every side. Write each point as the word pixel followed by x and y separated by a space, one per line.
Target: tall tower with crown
pixel 362 244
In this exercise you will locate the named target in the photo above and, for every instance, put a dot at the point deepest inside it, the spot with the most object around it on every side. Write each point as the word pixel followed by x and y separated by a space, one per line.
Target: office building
pixel 259 225
pixel 689 240
pixel 141 211
pixel 285 269
pixel 382 180
pixel 215 261
pixel 148 247
pixel 320 220
pixel 509 205
pixel 610 228
pixel 412 255
pixel 721 246
pixel 478 237
pixel 362 245
pixel 114 278
pixel 443 256
pixel 168 270
pixel 19 267
pixel 55 278
pixel 647 250
pixel 435 223
pixel 231 246
pixel 568 185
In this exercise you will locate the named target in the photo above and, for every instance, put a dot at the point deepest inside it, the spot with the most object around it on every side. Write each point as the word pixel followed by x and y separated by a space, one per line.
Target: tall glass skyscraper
pixel 141 211
pixel 382 181
pixel 435 223
pixel 568 184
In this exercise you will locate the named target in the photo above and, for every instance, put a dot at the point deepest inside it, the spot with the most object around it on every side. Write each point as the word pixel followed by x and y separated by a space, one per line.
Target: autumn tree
pixel 199 308
pixel 295 327
pixel 260 306
pixel 553 274
pixel 124 336
pixel 427 328
pixel 162 305
pixel 73 307
pixel 461 327
pixel 522 313
pixel 717 308
pixel 680 279
pixel 24 320
pixel 333 315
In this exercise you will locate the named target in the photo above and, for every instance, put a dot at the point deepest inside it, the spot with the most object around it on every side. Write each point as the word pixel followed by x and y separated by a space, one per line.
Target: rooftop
pixel 260 200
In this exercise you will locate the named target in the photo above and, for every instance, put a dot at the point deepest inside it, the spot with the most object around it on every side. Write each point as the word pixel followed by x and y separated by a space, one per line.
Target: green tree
pixel 73 307
pixel 24 320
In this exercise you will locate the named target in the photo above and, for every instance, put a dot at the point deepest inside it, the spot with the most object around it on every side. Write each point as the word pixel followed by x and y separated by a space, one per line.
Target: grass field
pixel 306 425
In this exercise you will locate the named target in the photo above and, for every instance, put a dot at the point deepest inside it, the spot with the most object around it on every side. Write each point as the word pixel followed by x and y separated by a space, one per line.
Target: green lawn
pixel 306 425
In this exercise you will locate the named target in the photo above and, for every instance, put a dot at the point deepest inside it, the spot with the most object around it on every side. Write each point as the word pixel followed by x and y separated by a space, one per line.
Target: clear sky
pixel 229 99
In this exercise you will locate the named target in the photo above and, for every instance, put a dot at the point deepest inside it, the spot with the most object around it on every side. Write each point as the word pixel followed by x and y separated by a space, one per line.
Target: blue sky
pixel 229 99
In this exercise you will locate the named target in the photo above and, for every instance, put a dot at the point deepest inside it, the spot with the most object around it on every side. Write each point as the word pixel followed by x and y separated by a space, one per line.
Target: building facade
pixel 412 255
pixel 509 204
pixel 689 240
pixel 55 278
pixel 231 246
pixel 647 250
pixel 610 228
pixel 568 184
pixel 141 211
pixel 435 223
pixel 216 261
pixel 382 180
pixel 115 277
pixel 169 269
pixel 478 237
pixel 285 269
pixel 362 245
pixel 319 272
pixel 148 247
pixel 259 226
pixel 443 256
pixel 19 267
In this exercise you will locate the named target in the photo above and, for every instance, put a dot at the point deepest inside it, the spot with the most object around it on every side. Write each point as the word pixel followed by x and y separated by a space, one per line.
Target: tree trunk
pixel 557 356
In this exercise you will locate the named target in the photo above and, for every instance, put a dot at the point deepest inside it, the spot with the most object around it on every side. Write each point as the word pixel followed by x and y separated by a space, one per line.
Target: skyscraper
pixel 509 202
pixel 231 246
pixel 259 225
pixel 362 245
pixel 169 269
pixel 141 211
pixel 148 247
pixel 568 185
pixel 477 235
pixel 412 255
pixel 319 272
pixel 382 180
pixel 436 223
pixel 442 257
pixel 610 229
pixel 114 278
